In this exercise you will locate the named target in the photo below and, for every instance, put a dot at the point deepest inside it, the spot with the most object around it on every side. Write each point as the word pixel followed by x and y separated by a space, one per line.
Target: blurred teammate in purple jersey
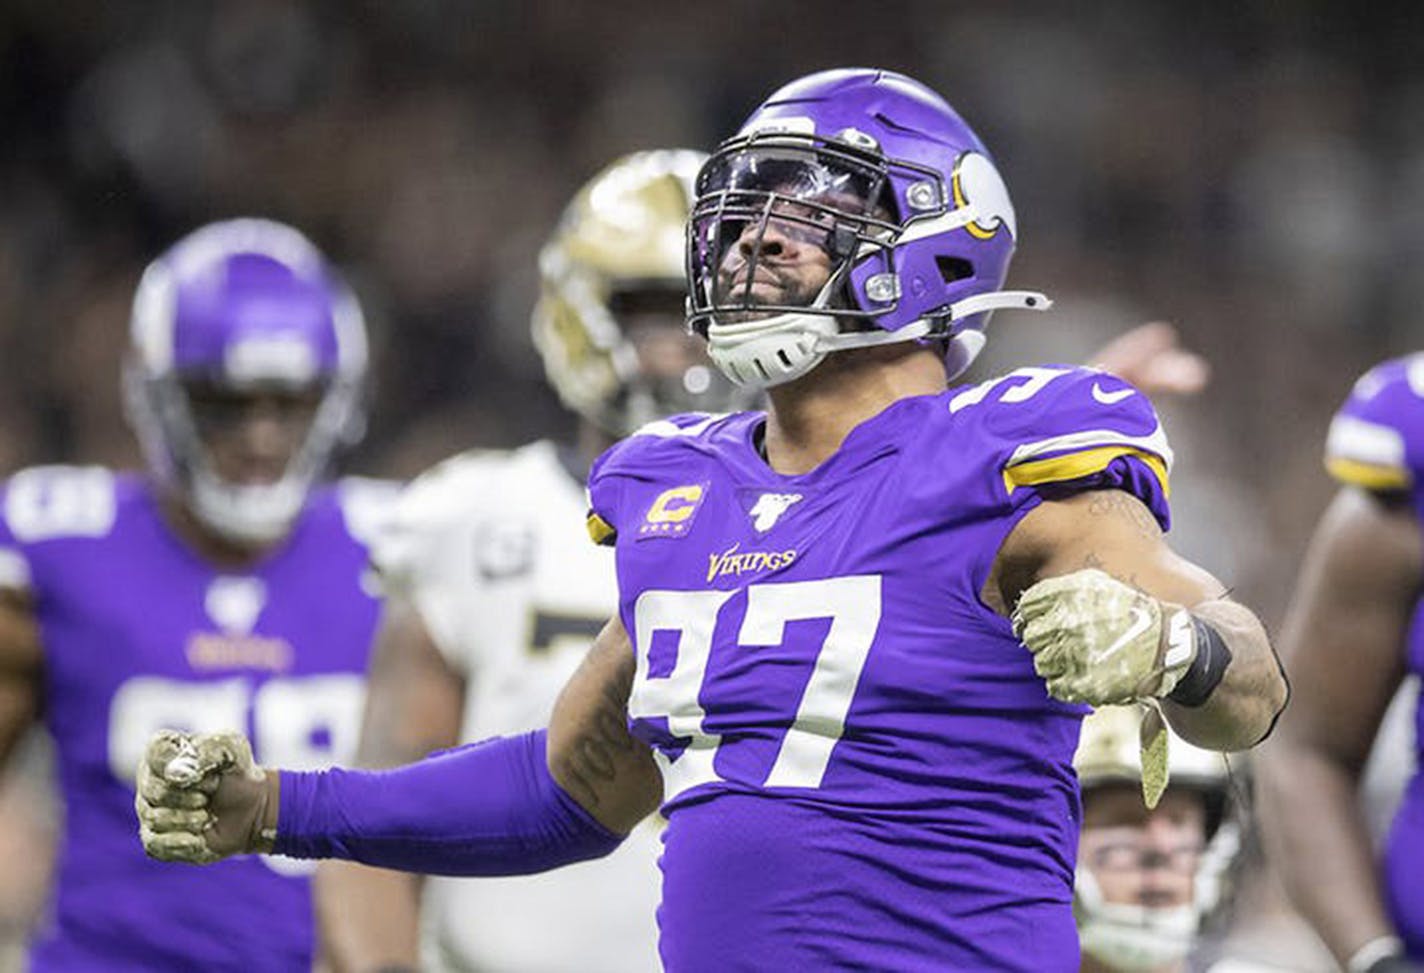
pixel 1354 631
pixel 856 631
pixel 219 591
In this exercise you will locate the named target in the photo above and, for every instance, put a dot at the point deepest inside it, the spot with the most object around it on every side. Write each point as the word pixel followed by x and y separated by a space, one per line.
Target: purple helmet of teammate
pixel 243 308
pixel 880 174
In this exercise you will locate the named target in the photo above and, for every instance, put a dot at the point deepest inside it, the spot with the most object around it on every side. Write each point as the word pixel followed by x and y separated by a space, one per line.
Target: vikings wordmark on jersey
pixel 824 667
pixel 139 634
pixel 1376 442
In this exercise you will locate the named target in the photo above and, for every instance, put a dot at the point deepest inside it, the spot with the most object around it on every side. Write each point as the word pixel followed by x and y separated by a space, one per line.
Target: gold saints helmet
pixel 612 271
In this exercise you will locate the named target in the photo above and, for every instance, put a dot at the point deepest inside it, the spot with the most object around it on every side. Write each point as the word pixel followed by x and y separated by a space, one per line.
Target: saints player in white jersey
pixel 495 595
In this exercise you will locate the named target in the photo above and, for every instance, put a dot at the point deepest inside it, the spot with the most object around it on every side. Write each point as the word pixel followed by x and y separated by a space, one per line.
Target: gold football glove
pixel 1097 640
pixel 201 798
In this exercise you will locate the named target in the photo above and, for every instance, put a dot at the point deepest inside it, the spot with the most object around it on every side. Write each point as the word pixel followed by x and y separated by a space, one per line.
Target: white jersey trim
pixel 1155 442
pixel 1365 442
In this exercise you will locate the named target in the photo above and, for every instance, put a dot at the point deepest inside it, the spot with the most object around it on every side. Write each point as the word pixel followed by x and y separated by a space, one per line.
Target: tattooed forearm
pixel 600 739
pixel 591 753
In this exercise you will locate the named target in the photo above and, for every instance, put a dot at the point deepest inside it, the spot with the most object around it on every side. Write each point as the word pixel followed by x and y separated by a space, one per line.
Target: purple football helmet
pixel 879 173
pixel 243 306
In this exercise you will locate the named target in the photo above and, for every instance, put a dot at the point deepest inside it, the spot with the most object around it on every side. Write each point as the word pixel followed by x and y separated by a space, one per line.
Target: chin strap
pixel 999 300
pixel 1131 937
pixel 251 514
pixel 925 328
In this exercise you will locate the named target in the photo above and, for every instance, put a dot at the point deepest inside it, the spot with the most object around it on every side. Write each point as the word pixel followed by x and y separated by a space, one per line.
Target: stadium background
pixel 1252 171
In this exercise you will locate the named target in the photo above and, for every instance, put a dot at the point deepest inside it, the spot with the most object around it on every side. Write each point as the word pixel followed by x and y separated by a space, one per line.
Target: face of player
pixel 652 318
pixel 675 374
pixel 781 260
pixel 1141 857
pixel 252 436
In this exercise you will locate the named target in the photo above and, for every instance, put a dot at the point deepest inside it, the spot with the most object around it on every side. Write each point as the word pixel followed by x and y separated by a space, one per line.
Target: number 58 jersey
pixel 139 633
pixel 862 769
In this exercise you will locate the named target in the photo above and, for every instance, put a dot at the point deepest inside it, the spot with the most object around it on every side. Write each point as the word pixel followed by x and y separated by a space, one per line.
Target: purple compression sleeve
pixel 490 808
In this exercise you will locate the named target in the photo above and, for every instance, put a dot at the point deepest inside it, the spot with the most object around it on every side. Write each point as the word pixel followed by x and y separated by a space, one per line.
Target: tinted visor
pixel 829 177
pixel 754 196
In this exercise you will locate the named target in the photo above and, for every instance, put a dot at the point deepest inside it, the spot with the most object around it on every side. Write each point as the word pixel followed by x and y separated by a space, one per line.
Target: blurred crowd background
pixel 1252 171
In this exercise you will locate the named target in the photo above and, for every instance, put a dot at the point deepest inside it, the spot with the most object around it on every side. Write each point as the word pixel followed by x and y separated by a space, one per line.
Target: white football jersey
pixel 492 549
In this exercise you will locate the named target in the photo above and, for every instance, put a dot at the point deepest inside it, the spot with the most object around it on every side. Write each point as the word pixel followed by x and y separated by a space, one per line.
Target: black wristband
pixel 1207 668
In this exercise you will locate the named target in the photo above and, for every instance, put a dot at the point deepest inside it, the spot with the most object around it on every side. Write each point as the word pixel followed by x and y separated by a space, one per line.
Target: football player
pixel 1354 630
pixel 1147 877
pixel 495 594
pixel 221 590
pixel 855 632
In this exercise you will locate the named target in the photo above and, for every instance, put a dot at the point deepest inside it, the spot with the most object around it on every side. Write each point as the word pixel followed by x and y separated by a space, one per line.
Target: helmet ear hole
pixel 952 269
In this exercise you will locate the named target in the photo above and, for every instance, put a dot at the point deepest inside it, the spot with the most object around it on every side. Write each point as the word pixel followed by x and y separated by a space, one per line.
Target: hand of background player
pixel 1096 640
pixel 1150 357
pixel 201 798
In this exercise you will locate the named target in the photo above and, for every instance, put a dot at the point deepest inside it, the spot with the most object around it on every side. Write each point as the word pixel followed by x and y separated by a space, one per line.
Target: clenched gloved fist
pixel 200 798
pixel 1096 640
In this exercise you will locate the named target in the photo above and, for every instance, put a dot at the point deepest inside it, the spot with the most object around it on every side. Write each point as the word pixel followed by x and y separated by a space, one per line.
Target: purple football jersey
pixel 861 767
pixel 1376 442
pixel 140 633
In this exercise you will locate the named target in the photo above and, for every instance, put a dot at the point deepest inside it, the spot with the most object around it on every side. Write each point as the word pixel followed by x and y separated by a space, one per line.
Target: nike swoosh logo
pixel 1111 398
pixel 1141 620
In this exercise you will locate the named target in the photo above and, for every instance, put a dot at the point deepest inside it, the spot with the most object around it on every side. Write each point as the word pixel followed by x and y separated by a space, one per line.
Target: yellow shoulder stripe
pixel 1075 466
pixel 600 530
pixel 1371 476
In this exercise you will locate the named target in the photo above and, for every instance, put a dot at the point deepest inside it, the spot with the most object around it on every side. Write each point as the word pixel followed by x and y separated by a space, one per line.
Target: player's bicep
pixel 414 699
pixel 1346 627
pixel 1110 530
pixel 591 754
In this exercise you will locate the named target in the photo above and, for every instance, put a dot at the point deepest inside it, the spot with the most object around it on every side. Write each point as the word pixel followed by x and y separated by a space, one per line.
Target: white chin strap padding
pixel 1130 937
pixel 769 352
pixel 251 514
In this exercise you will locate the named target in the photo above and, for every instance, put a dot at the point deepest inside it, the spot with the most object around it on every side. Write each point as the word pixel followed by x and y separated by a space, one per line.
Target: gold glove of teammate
pixel 200 798
pixel 1097 640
